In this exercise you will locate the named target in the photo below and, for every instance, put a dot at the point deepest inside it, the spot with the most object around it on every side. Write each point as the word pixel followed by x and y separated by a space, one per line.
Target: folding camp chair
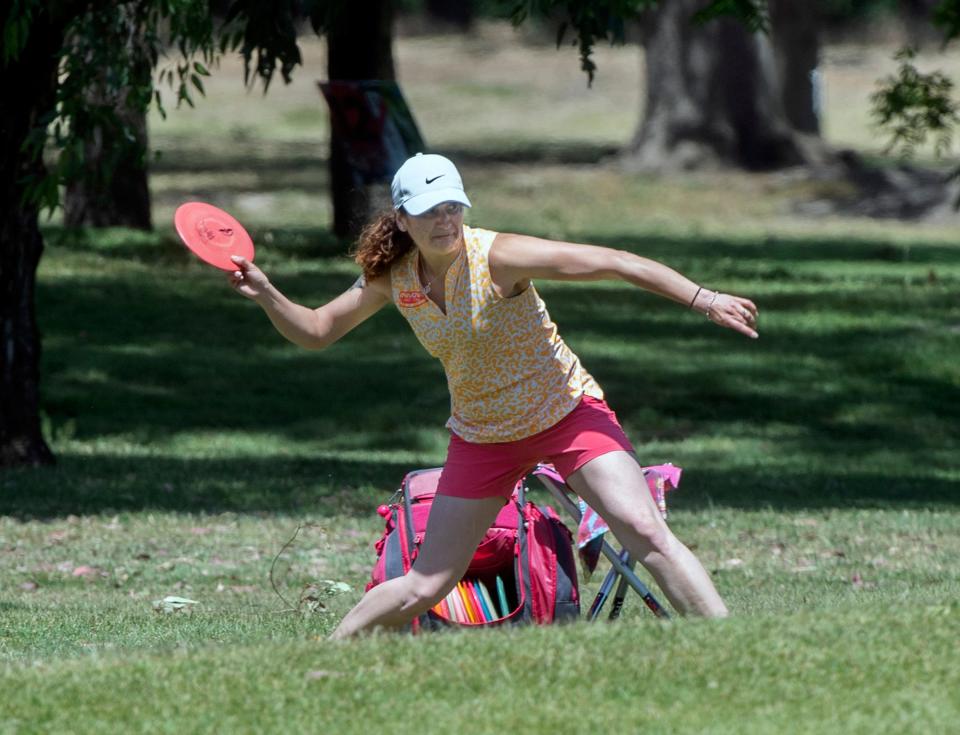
pixel 621 574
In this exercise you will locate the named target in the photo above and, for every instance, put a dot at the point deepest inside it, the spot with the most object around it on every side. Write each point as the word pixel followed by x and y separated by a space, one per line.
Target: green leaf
pixel 172 604
pixel 912 107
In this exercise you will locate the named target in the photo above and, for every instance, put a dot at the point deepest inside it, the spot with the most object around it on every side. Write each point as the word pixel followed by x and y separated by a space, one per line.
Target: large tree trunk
pixel 917 17
pixel 112 190
pixel 796 48
pixel 712 98
pixel 455 13
pixel 360 46
pixel 27 87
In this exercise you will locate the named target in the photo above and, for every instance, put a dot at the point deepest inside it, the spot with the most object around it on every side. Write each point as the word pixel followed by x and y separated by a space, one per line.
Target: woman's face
pixel 437 230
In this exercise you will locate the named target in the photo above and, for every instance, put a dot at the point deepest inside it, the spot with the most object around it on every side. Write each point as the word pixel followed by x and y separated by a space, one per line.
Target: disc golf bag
pixel 522 571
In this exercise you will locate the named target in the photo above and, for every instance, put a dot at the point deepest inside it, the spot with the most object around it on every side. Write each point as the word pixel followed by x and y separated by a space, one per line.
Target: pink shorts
pixel 489 470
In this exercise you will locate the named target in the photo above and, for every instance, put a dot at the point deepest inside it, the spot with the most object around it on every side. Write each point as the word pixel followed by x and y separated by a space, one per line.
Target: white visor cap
pixel 425 181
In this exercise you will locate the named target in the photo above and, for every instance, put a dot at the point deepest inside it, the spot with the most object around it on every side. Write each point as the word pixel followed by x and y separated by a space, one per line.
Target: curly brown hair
pixel 380 245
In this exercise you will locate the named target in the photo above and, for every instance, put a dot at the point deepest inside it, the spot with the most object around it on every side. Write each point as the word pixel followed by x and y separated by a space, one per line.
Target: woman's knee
pixel 652 535
pixel 425 591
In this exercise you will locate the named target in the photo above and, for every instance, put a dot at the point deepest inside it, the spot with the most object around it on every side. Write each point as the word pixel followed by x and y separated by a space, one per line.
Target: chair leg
pixel 634 581
pixel 621 592
pixel 600 600
pixel 620 568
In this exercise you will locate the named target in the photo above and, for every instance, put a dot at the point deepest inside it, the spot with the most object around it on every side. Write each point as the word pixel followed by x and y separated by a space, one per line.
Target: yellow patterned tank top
pixel 509 373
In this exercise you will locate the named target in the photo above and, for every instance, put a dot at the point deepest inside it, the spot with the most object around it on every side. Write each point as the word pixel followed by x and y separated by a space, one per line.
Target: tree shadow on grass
pixel 319 488
pixel 274 157
pixel 205 359
pixel 315 488
pixel 163 248
pixel 177 354
pixel 776 256
pixel 751 490
pixel 279 159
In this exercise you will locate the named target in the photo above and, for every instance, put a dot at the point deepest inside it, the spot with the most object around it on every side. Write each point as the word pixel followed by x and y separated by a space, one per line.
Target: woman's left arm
pixel 516 258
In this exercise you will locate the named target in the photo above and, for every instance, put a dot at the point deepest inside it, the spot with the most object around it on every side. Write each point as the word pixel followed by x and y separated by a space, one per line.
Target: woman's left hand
pixel 734 312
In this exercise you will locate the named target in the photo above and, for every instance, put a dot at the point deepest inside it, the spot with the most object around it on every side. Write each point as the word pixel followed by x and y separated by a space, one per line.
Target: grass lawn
pixel 821 485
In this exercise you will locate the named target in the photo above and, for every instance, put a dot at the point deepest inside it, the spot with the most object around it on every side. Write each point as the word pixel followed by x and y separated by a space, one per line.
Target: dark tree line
pixel 76 71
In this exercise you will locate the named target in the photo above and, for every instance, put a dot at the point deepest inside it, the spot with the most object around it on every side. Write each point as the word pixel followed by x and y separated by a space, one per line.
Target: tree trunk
pixel 112 190
pixel 917 16
pixel 455 13
pixel 360 46
pixel 31 81
pixel 711 97
pixel 796 46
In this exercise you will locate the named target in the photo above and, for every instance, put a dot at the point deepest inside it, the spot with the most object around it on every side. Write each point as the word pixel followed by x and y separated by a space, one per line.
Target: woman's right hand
pixel 733 312
pixel 248 280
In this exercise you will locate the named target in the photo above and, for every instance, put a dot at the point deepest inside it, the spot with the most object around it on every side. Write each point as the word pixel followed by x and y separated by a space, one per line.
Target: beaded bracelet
pixel 712 301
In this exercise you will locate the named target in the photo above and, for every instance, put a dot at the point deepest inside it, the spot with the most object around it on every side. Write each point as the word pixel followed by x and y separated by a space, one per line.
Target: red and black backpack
pixel 530 562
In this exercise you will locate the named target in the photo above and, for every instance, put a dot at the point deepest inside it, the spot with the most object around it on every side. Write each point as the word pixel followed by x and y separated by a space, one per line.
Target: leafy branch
pixel 594 21
pixel 912 106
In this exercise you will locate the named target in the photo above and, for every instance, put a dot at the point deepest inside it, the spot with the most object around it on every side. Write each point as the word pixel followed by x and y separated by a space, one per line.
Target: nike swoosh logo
pixel 430 181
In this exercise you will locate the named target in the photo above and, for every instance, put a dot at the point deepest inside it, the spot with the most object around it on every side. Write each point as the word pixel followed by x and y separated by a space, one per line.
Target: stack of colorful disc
pixel 471 602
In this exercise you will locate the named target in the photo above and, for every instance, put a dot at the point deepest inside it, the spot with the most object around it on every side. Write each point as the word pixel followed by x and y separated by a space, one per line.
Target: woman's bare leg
pixel 454 530
pixel 614 486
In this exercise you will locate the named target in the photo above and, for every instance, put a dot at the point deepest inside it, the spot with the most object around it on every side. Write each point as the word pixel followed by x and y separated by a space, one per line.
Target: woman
pixel 518 394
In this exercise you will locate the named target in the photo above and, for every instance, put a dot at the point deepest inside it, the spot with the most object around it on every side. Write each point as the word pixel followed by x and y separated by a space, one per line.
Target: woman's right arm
pixel 313 329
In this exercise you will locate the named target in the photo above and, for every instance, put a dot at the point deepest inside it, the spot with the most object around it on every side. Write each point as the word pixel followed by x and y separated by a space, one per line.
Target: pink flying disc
pixel 212 234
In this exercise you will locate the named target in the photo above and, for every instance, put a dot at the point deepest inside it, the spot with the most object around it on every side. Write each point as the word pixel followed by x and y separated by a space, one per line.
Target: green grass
pixel 820 485
pixel 797 672
pixel 820 491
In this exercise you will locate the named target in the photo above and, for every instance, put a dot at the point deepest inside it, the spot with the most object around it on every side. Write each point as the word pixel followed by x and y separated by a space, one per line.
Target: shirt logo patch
pixel 411 299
